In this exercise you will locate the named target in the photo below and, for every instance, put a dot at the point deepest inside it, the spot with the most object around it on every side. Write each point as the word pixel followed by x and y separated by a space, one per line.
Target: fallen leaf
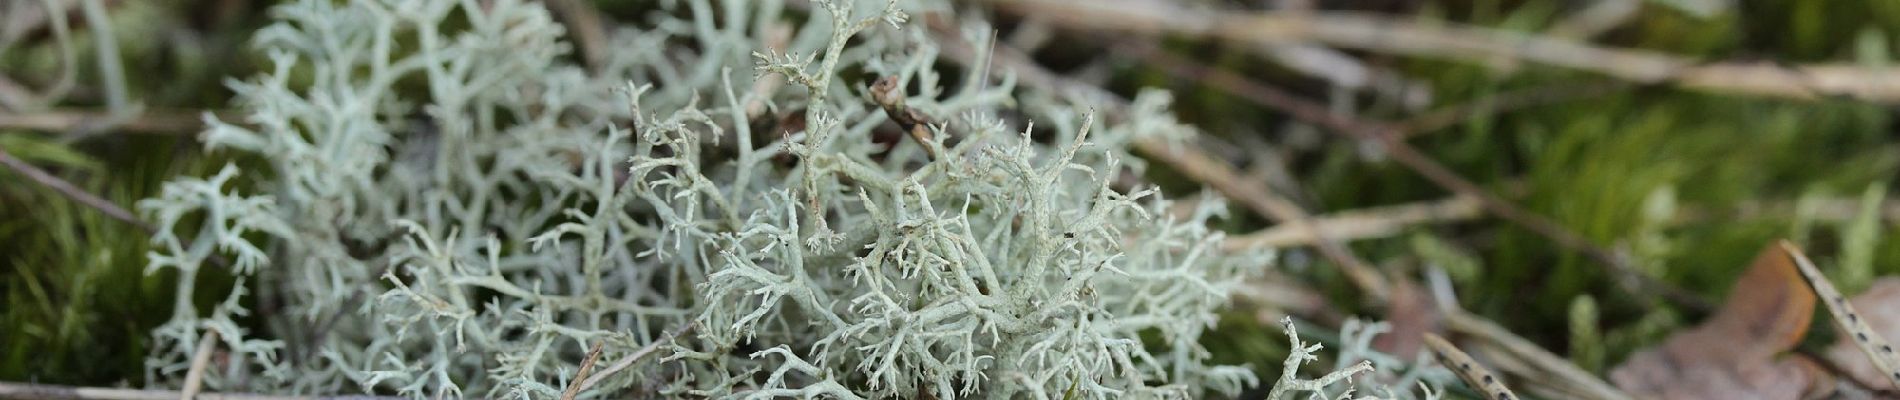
pixel 1735 355
pixel 1413 314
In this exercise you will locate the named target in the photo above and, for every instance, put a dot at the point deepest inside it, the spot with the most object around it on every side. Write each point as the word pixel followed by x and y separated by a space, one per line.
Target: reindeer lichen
pixel 453 208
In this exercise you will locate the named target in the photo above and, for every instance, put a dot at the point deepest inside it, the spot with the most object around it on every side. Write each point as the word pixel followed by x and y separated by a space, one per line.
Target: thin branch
pixel 1220 176
pixel 1362 224
pixel 1595 18
pixel 76 194
pixel 1848 320
pixel 195 377
pixel 72 192
pixel 1531 362
pixel 83 121
pixel 586 27
pixel 631 358
pixel 28 391
pixel 1387 136
pixel 1469 370
pixel 890 98
pixel 1498 48
pixel 587 367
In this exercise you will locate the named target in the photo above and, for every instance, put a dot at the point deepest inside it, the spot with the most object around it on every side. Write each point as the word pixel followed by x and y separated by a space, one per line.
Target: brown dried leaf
pixel 1734 354
pixel 1413 315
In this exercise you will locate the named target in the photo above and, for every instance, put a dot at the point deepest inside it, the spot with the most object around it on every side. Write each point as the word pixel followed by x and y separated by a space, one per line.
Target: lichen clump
pixel 444 205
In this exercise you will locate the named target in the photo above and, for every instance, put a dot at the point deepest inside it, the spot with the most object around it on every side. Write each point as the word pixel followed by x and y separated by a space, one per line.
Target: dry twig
pixel 1388 137
pixel 26 391
pixel 1360 224
pixel 1467 369
pixel 631 358
pixel 1519 355
pixel 80 121
pixel 72 192
pixel 1846 318
pixel 890 98
pixel 587 367
pixel 1495 47
pixel 195 377
pixel 1220 176
pixel 585 25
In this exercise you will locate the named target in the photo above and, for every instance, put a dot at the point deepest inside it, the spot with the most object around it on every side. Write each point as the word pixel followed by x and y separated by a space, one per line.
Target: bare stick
pixel 65 121
pixel 891 98
pixel 1220 176
pixel 1846 318
pixel 1361 224
pixel 1533 362
pixel 631 358
pixel 27 391
pixel 1467 369
pixel 1387 136
pixel 1494 47
pixel 587 367
pixel 71 192
pixel 589 31
pixel 194 378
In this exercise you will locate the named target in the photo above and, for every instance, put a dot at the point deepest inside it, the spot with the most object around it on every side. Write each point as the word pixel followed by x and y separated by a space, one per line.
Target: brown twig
pixel 28 391
pixel 80 121
pixel 1220 176
pixel 82 197
pixel 1388 137
pixel 891 98
pixel 72 192
pixel 1527 359
pixel 1360 224
pixel 587 367
pixel 588 29
pixel 649 348
pixel 1495 47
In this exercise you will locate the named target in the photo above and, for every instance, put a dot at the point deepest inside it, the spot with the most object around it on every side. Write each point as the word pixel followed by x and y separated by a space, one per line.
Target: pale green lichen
pixel 453 209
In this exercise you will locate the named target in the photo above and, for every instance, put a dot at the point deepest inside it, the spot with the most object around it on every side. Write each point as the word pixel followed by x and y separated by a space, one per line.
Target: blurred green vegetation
pixel 1729 171
pixel 78 304
pixel 1692 184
